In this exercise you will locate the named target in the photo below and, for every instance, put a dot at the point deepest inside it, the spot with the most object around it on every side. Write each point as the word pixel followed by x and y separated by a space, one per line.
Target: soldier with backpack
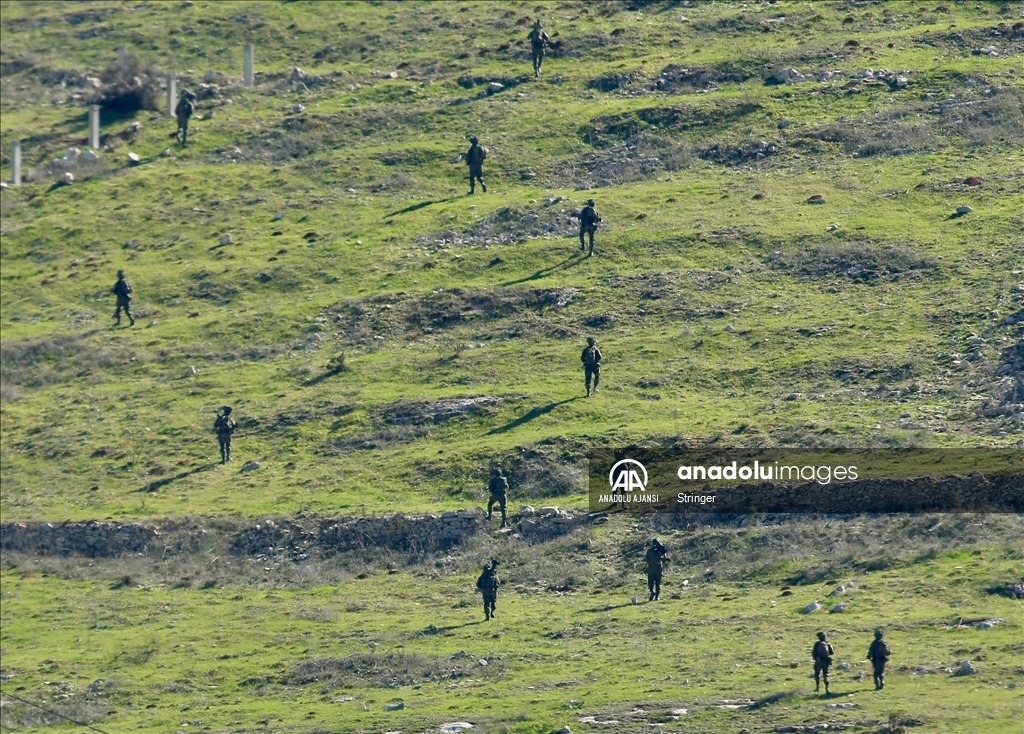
pixel 656 558
pixel 488 586
pixel 123 290
pixel 822 653
pixel 183 112
pixel 224 426
pixel 591 359
pixel 538 40
pixel 878 654
pixel 475 160
pixel 498 489
pixel 589 219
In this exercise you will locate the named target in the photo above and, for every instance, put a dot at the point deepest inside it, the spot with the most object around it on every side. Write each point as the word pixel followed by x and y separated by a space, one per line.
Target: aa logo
pixel 625 476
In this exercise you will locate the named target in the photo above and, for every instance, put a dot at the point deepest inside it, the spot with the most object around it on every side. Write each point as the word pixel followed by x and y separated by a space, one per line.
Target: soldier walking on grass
pixel 822 653
pixel 488 586
pixel 475 160
pixel 224 426
pixel 538 40
pixel 183 112
pixel 656 558
pixel 591 359
pixel 589 219
pixel 123 290
pixel 498 489
pixel 878 654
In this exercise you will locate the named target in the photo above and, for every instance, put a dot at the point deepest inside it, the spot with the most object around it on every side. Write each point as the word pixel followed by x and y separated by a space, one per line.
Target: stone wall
pixel 298 538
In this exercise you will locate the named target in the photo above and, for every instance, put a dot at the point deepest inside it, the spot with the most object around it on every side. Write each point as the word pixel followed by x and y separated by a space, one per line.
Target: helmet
pixel 591 340
pixel 878 634
pixel 590 202
pixel 120 273
pixel 494 563
pixel 226 409
pixel 821 635
pixel 536 23
pixel 473 140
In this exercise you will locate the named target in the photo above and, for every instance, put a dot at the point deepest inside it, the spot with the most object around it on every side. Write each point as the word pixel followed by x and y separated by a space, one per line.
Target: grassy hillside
pixel 716 291
pixel 780 264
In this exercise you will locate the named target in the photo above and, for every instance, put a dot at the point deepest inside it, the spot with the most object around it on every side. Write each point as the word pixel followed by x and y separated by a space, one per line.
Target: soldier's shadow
pixel 434 630
pixel 572 261
pixel 421 205
pixel 154 486
pixel 534 413
pixel 607 608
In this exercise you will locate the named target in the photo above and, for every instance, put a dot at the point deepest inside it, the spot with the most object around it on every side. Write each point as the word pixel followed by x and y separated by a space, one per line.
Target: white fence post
pixel 247 65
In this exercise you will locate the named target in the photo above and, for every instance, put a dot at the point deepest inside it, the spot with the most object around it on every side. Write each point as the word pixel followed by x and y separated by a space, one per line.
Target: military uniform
pixel 878 654
pixel 822 653
pixel 591 359
pixel 589 219
pixel 475 160
pixel 538 40
pixel 498 489
pixel 655 559
pixel 123 290
pixel 224 426
pixel 183 112
pixel 488 586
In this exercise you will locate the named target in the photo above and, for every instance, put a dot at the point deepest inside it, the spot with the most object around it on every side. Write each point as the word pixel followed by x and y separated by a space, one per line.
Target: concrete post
pixel 172 94
pixel 94 127
pixel 122 57
pixel 247 65
pixel 16 163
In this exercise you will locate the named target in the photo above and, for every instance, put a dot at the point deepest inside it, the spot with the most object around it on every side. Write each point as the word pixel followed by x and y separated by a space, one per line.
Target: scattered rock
pixel 788 76
pixel 225 239
pixel 394 706
pixel 784 124
pixel 563 730
pixel 847 705
pixel 90 156
pixel 495 87
pixel 68 178
pixel 832 228
pixel 964 209
pixel 816 199
pixel 192 371
pixel 987 624
pixel 133 159
pixel 810 608
pixel 166 152
pixel 838 608
pixel 251 466
pixel 298 108
pixel 455 727
pixel 966 668
pixel 839 590
pixel 278 217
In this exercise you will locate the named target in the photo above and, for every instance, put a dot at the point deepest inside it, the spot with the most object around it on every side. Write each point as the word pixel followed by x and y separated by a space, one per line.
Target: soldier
pixel 655 558
pixel 822 653
pixel 183 111
pixel 498 489
pixel 224 426
pixel 123 290
pixel 488 586
pixel 475 160
pixel 538 40
pixel 878 654
pixel 591 359
pixel 589 219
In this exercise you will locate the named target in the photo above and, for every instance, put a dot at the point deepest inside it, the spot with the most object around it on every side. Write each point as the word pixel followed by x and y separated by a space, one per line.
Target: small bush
pixel 127 90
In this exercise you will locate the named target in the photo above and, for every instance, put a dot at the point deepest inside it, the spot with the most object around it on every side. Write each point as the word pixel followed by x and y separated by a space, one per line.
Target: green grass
pixel 717 292
pixel 230 657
